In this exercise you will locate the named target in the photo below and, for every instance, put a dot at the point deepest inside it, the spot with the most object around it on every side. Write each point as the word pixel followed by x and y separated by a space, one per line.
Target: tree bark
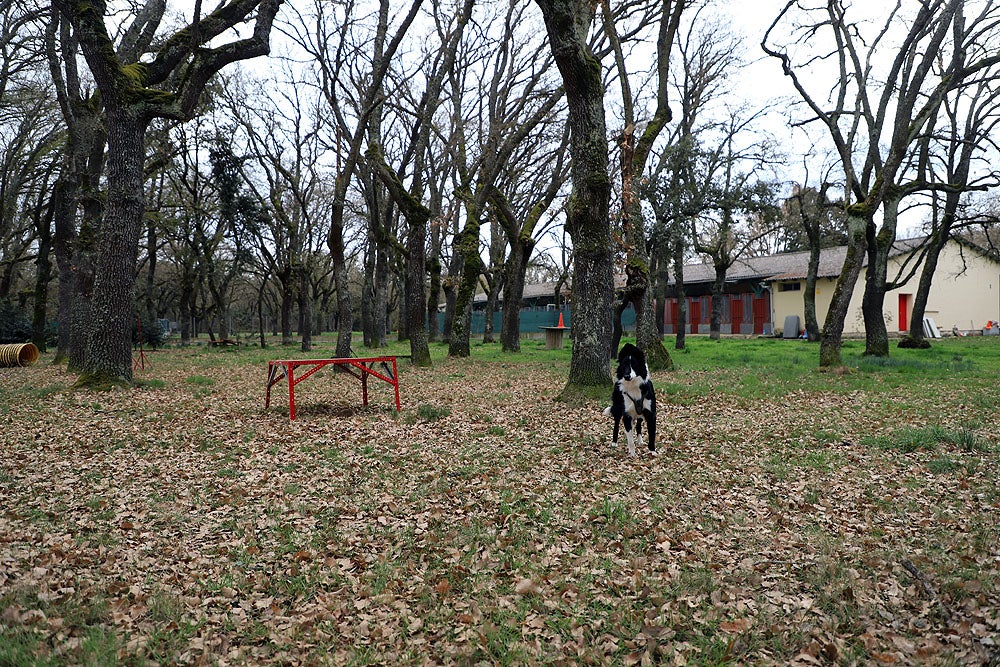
pixel 43 275
pixel 915 336
pixel 472 266
pixel 515 269
pixel 567 23
pixel 833 327
pixel 809 298
pixel 109 340
pixel 417 218
pixel 873 300
pixel 345 317
pixel 131 99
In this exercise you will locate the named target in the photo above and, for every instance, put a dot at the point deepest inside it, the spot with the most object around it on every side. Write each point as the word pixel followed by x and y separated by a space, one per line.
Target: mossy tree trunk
pixel 567 23
pixel 634 155
pixel 876 274
pixel 133 94
pixel 467 245
pixel 417 218
pixel 833 327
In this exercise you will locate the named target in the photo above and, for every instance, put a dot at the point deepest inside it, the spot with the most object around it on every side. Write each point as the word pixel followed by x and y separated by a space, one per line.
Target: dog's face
pixel 631 364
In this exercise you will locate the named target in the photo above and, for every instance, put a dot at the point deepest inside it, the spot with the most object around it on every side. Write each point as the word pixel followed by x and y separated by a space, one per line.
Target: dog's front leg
pixel 629 424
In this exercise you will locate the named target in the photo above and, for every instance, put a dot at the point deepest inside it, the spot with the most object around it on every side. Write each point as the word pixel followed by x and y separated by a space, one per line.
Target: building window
pixel 789 287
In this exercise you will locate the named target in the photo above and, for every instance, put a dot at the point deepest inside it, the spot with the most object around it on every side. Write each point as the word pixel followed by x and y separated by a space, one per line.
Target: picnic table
pixel 359 367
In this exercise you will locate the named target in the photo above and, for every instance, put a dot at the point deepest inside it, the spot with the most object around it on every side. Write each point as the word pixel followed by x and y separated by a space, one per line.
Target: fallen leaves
pixel 192 529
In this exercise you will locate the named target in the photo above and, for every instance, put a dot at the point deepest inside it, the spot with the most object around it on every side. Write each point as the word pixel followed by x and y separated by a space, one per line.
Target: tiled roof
pixel 783 266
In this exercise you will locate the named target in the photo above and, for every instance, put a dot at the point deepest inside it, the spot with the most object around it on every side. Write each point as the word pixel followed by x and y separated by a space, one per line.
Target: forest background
pixel 387 161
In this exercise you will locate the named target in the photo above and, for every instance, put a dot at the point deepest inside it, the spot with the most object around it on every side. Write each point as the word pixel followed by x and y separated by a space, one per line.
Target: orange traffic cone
pixel 561 325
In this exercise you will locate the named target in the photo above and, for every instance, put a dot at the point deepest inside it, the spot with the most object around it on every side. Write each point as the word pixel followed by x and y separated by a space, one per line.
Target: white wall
pixel 965 292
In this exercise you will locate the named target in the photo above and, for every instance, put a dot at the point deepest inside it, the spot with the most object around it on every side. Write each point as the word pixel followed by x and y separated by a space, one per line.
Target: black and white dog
pixel 633 400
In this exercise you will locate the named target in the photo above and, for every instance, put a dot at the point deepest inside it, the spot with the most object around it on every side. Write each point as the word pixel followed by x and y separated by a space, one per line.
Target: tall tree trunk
pixel 416 306
pixel 833 328
pixel 109 339
pixel 915 336
pixel 715 321
pixel 634 155
pixel 637 286
pixel 809 297
pixel 305 309
pixel 286 280
pixel 515 269
pixel 338 258
pixel 873 301
pixel 43 275
pixel 567 23
pixel 380 319
pixel 472 266
pixel 417 217
pixel 64 206
pixel 450 287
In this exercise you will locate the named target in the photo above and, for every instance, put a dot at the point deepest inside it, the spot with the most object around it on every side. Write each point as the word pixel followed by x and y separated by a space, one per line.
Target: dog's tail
pixel 607 411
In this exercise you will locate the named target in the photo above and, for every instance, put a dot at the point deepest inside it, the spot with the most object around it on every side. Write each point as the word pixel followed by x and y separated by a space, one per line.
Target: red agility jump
pixel 359 367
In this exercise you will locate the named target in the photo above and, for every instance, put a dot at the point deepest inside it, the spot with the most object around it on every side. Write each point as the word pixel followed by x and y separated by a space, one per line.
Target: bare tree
pixel 677 189
pixel 408 199
pixel 133 93
pixel 78 188
pixel 352 69
pixel 813 212
pixel 514 100
pixel 522 219
pixel 873 127
pixel 955 143
pixel 634 156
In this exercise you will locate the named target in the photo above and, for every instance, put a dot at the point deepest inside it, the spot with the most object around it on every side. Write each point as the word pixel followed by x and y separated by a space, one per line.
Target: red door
pixel 694 314
pixel 736 312
pixel 904 315
pixel 761 312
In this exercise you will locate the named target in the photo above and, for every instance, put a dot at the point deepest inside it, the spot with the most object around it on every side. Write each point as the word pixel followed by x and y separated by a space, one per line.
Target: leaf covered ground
pixel 796 518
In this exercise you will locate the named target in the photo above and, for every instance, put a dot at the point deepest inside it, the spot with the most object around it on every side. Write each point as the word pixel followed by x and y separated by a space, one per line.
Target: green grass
pixel 929 438
pixel 430 412
pixel 773 478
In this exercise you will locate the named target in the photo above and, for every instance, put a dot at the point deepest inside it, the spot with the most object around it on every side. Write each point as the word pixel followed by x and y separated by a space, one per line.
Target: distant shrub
pixel 15 325
pixel 153 334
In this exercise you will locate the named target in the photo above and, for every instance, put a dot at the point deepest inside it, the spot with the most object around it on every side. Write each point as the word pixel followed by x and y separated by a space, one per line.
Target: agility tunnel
pixel 18 354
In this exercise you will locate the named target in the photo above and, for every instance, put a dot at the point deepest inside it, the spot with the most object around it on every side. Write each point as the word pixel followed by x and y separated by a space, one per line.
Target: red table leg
pixel 364 388
pixel 395 383
pixel 290 371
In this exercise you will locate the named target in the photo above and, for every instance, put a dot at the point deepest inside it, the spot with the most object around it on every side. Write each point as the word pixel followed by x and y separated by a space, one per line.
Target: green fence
pixel 532 321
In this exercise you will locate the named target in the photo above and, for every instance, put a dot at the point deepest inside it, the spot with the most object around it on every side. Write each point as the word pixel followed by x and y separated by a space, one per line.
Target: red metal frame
pixel 359 367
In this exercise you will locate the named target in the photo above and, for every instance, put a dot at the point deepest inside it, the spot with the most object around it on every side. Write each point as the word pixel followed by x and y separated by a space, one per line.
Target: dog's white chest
pixel 634 402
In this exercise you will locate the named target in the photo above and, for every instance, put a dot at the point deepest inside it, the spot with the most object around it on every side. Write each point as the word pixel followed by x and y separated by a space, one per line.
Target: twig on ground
pixel 928 589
